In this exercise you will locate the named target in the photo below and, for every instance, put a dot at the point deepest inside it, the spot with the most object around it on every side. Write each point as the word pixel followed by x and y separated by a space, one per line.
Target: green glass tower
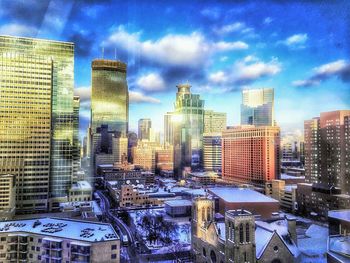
pixel 110 96
pixel 36 127
pixel 188 121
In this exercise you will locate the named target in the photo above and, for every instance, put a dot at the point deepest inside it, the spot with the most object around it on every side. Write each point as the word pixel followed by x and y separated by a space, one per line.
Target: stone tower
pixel 202 215
pixel 240 236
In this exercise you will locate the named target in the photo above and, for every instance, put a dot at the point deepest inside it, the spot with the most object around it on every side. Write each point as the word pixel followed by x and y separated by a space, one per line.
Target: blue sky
pixel 300 48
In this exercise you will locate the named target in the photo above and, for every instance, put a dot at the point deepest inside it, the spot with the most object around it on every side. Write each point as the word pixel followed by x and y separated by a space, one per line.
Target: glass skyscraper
pixel 257 107
pixel 36 110
pixel 188 124
pixel 110 96
pixel 144 129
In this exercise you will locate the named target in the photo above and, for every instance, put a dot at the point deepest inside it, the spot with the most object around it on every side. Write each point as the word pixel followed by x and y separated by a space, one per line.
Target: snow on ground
pixel 182 241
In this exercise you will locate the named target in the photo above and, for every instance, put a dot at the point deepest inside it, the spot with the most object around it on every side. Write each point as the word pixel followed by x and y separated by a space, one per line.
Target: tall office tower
pixel 132 142
pixel 327 149
pixel 188 129
pixel 144 154
pixel 76 143
pixel 144 127
pixel 108 147
pixel 251 155
pixel 109 96
pixel 327 169
pixel 257 107
pixel 168 128
pixel 212 151
pixel 214 121
pixel 36 127
pixel 7 196
pixel 154 136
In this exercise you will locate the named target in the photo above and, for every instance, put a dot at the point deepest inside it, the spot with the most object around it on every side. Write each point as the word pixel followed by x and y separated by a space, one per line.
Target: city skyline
pixel 219 49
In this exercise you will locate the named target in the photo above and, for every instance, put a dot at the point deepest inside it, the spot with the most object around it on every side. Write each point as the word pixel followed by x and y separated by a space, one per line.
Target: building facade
pixel 58 240
pixel 144 129
pixel 109 96
pixel 37 81
pixel 188 129
pixel 238 237
pixel 7 196
pixel 251 155
pixel 76 142
pixel 214 122
pixel 327 170
pixel 168 128
pixel 212 151
pixel 257 107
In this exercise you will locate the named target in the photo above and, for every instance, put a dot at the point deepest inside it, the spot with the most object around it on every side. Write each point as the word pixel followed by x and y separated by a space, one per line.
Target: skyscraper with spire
pixel 188 126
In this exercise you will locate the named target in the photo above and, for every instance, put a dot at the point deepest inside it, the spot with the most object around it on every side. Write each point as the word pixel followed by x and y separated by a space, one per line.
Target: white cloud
pixel 296 41
pixel 83 92
pixel 218 77
pixel 246 71
pixel 18 30
pixel 225 46
pixel 138 97
pixel 250 72
pixel 339 68
pixel 174 50
pixel 234 27
pixel 267 20
pixel 151 82
pixel 331 68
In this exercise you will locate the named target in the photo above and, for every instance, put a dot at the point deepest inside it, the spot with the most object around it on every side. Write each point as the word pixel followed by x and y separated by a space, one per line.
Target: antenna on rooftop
pixel 103 50
pixel 115 53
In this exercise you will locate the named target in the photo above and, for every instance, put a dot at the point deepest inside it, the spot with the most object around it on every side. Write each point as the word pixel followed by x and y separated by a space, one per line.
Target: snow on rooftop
pixel 340 244
pixel 281 227
pixel 287 176
pixel 340 214
pixel 62 228
pixel 240 195
pixel 221 229
pixel 262 238
pixel 314 244
pixel 178 202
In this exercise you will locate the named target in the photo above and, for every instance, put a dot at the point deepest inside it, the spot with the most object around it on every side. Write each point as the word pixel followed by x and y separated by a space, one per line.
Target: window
pixel 241 240
pixel 113 256
pixel 204 252
pixel 247 236
pixel 114 247
pixel 3 238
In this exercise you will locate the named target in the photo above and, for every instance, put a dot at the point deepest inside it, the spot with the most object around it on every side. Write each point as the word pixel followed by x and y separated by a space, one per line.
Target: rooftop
pixel 81 185
pixel 62 228
pixel 178 202
pixel 340 214
pixel 240 195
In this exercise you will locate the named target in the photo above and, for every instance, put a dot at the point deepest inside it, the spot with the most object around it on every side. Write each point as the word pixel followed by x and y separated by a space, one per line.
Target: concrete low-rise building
pixel 204 178
pixel 178 207
pixel 58 240
pixel 80 191
pixel 230 198
pixel 285 194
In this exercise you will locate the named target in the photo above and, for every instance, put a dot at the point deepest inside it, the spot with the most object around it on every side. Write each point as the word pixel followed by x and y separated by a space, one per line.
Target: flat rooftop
pixel 62 228
pixel 340 214
pixel 178 203
pixel 240 195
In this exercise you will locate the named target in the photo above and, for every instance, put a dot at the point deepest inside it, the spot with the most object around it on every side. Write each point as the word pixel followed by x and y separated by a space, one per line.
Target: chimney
pixel 292 229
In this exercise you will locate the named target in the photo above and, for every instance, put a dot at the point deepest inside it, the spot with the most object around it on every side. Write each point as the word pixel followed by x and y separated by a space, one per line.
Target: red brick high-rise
pixel 250 155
